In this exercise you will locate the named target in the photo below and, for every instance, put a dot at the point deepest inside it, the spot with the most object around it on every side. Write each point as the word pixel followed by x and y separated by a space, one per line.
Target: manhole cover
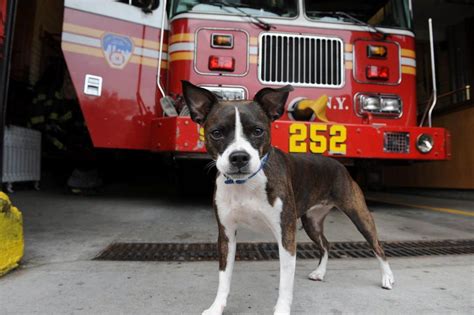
pixel 269 251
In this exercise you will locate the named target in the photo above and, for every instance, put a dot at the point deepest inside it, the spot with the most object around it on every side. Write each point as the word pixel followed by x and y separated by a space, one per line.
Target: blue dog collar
pixel 229 180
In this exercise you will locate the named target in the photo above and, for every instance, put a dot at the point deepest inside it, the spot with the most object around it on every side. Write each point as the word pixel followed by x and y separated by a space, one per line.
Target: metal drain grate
pixel 269 251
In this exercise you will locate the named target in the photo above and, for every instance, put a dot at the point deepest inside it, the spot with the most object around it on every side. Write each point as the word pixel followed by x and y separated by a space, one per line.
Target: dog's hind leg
pixel 355 208
pixel 313 224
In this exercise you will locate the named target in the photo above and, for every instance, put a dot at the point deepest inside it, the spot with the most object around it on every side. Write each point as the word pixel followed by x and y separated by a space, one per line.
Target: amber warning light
pixel 221 63
pixel 222 41
pixel 376 51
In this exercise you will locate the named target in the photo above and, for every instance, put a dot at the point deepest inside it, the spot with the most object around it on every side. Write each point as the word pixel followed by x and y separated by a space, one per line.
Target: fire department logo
pixel 117 50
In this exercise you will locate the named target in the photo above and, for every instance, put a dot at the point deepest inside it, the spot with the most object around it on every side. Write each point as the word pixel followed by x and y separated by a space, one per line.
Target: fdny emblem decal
pixel 117 50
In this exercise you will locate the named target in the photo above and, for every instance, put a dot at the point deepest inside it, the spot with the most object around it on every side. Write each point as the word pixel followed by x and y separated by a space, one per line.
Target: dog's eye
pixel 257 132
pixel 217 135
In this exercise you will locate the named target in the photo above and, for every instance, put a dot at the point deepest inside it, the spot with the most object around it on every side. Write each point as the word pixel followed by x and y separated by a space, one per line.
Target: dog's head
pixel 237 133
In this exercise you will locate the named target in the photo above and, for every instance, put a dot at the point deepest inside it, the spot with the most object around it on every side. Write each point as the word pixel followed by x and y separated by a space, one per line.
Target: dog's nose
pixel 239 159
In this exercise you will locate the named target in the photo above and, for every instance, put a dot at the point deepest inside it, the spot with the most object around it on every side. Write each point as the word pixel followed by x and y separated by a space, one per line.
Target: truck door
pixel 112 49
pixel 7 17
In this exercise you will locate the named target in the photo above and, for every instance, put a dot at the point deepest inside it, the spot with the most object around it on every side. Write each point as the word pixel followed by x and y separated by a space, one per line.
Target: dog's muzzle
pixel 239 159
pixel 229 180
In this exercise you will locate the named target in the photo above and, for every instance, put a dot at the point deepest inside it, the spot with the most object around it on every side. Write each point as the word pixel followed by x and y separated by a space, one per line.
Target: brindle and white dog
pixel 260 186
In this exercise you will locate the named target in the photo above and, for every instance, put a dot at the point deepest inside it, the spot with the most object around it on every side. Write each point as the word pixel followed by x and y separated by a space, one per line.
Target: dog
pixel 260 186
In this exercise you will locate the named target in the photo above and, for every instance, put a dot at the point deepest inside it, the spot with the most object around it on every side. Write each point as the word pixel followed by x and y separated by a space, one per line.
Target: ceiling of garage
pixel 443 12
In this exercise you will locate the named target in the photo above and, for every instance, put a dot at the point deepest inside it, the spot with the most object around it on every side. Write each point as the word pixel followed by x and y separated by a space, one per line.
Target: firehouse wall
pixel 37 50
pixel 453 32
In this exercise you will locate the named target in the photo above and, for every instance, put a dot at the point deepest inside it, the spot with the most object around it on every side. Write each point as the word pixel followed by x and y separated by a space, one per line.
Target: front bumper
pixel 180 135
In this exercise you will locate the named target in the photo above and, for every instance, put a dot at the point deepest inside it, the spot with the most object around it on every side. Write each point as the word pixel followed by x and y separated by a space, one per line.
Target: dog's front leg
pixel 226 245
pixel 287 253
pixel 287 276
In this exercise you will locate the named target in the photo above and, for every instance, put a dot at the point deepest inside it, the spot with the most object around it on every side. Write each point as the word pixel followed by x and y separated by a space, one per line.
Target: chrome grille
pixel 396 142
pixel 301 60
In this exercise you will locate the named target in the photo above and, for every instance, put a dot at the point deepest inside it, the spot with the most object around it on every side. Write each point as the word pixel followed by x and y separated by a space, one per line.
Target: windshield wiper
pixel 350 17
pixel 220 3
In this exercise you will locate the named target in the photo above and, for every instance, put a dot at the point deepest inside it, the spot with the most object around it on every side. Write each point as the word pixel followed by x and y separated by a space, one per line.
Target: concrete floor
pixel 63 233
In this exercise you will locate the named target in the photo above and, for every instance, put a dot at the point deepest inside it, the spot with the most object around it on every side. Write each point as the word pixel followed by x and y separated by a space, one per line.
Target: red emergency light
pixel 377 73
pixel 221 63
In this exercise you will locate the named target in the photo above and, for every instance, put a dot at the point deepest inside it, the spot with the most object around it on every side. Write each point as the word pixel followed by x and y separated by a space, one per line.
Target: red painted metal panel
pixel 173 134
pixel 176 134
pixel 238 51
pixel 341 100
pixel 121 116
pixel 127 115
pixel 392 61
pixel 365 141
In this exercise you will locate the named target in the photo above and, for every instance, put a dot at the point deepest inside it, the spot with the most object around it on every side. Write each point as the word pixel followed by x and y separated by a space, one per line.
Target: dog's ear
pixel 273 100
pixel 199 101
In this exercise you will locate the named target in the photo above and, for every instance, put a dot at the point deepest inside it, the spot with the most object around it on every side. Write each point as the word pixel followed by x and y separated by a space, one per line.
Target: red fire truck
pixel 352 64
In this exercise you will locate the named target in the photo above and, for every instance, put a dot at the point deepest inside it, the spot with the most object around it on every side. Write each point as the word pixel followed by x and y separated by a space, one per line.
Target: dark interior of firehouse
pixel 97 230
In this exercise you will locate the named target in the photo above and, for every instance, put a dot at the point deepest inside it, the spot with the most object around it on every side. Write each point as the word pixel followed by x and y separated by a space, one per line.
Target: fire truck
pixel 352 65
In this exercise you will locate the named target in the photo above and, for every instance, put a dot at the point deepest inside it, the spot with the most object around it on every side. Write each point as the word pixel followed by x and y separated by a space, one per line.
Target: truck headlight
pixel 424 143
pixel 379 104
pixel 391 105
pixel 370 103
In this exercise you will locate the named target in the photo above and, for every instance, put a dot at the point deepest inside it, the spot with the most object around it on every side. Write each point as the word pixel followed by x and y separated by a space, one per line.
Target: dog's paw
pixel 387 281
pixel 282 310
pixel 282 307
pixel 317 275
pixel 214 310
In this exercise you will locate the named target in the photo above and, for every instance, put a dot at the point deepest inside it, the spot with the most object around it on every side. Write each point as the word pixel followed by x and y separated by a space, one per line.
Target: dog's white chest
pixel 247 204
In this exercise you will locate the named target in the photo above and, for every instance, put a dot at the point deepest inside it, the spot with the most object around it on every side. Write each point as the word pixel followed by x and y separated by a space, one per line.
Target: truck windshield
pixel 386 13
pixel 257 8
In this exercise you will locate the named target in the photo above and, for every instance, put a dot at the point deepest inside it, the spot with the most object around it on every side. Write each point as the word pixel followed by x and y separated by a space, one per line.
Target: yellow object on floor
pixel 11 235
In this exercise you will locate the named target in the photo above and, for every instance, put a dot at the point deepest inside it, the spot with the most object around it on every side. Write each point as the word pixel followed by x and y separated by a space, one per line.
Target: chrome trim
pixel 276 78
pixel 213 88
pixel 354 65
pixel 433 72
pixel 381 114
pixel 290 109
pixel 224 74
pixel 94 82
pixel 418 139
pixel 160 54
pixel 410 8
